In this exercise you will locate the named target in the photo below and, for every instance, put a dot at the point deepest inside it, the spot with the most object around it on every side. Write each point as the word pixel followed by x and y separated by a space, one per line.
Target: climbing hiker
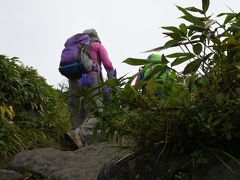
pixel 145 73
pixel 83 122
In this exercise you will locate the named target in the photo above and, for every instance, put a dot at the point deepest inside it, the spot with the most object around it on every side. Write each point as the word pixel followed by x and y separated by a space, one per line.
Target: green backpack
pixel 149 70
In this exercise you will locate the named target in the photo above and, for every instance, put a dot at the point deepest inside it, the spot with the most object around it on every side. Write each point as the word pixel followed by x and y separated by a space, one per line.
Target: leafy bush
pixel 199 111
pixel 33 114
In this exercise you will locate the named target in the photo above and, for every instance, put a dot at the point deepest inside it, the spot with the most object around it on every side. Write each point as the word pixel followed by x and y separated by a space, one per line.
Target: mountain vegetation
pixel 33 114
pixel 194 112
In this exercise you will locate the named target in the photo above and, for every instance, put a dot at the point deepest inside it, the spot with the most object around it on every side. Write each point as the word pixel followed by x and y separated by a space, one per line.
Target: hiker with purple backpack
pixel 81 62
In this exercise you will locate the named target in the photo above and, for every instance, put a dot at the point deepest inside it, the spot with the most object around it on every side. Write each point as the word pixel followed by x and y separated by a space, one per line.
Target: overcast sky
pixel 35 30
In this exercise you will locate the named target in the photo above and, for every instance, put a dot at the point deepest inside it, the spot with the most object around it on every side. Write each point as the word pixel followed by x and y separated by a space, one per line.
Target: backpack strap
pixel 96 64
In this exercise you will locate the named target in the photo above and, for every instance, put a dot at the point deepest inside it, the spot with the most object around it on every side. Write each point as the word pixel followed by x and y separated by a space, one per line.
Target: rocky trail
pixel 49 163
pixel 105 161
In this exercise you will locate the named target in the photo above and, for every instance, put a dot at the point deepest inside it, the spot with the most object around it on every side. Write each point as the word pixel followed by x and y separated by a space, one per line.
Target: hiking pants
pixel 82 118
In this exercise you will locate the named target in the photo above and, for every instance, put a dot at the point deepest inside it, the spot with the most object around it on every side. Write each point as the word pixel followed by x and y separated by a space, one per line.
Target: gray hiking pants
pixel 82 119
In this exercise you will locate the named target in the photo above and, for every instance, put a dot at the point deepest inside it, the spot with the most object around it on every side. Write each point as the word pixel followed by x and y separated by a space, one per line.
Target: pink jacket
pixel 99 53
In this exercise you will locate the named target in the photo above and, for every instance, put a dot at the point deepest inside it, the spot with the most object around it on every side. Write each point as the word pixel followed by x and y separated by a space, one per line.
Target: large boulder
pixel 103 162
pixel 171 167
pixel 82 164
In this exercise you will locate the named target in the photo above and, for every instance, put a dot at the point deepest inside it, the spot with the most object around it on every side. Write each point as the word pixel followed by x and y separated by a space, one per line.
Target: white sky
pixel 35 30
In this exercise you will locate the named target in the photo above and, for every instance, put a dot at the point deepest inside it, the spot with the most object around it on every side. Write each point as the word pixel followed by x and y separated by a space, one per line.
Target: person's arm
pixel 103 55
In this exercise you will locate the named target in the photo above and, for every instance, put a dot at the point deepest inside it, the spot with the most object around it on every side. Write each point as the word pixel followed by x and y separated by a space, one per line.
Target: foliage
pixel 197 111
pixel 33 114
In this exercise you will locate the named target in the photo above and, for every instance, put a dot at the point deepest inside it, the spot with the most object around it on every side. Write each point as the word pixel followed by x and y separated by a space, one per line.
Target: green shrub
pixel 33 114
pixel 199 111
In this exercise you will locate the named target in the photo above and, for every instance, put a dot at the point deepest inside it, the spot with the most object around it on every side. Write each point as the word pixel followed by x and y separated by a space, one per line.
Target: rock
pixel 83 163
pixel 103 162
pixel 136 166
pixel 10 175
pixel 140 167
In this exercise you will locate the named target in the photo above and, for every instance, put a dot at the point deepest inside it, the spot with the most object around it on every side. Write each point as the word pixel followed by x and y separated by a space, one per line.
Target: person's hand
pixel 84 81
pixel 112 73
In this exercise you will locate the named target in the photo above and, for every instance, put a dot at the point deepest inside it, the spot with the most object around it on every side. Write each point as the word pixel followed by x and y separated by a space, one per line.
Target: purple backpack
pixel 75 58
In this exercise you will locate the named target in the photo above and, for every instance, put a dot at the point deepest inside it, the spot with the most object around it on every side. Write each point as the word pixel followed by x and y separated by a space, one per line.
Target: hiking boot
pixel 75 138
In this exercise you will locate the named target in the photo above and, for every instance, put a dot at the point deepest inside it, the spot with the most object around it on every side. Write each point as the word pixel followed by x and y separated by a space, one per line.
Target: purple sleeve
pixel 103 56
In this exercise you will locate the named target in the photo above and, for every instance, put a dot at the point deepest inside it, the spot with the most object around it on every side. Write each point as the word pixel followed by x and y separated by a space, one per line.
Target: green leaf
pixel 222 14
pixel 216 41
pixel 195 37
pixel 183 28
pixel 171 43
pixel 193 9
pixel 205 5
pixel 190 32
pixel 229 17
pixel 175 30
pixel 232 157
pixel 196 28
pixel 136 62
pixel 157 49
pixel 224 163
pixel 216 122
pixel 197 48
pixel 180 60
pixel 164 60
pixel 235 27
pixel 205 58
pixel 191 18
pixel 180 54
pixel 192 67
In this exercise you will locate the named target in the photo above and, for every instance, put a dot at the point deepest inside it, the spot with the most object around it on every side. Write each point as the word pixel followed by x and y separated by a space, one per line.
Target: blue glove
pixel 84 81
pixel 112 73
